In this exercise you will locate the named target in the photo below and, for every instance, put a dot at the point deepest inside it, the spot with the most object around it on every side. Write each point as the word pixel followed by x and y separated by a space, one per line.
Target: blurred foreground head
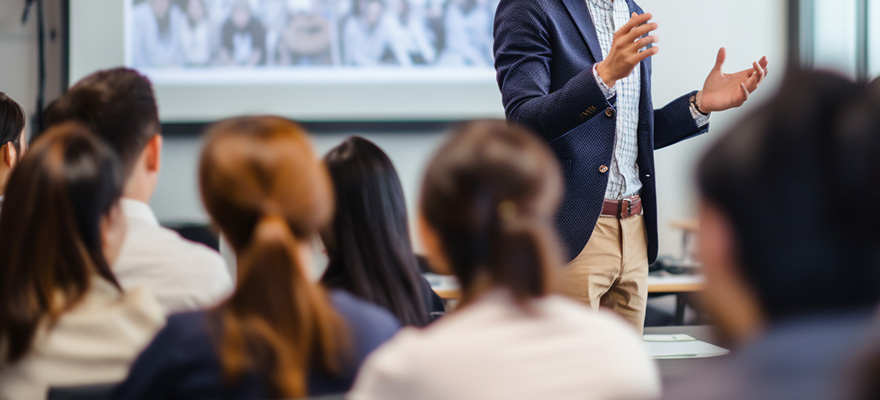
pixel 487 207
pixel 266 189
pixel 790 216
pixel 61 227
pixel 12 137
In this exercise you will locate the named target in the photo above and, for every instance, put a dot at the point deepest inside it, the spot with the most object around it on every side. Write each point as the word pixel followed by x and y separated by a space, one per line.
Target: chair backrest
pixel 85 392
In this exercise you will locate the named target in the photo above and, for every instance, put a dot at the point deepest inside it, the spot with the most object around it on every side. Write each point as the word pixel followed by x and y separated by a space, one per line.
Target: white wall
pixel 18 54
pixel 691 32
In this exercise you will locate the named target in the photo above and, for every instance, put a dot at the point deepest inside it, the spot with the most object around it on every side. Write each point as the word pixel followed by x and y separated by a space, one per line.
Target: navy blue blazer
pixel 544 56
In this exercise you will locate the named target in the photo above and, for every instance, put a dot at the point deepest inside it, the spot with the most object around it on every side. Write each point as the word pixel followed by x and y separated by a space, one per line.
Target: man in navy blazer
pixel 578 72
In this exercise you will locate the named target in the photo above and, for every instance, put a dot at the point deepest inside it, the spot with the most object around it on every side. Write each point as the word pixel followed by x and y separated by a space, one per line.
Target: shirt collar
pixel 138 209
pixel 603 4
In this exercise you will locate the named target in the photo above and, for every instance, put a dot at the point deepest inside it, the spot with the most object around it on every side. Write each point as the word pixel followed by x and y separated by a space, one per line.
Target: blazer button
pixel 603 169
pixel 609 112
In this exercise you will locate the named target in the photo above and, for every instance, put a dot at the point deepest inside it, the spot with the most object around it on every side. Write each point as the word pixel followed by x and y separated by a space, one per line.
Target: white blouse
pixel 492 349
pixel 93 343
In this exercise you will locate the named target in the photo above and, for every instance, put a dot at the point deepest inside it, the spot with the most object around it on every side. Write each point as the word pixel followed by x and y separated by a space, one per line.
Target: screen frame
pixel 314 125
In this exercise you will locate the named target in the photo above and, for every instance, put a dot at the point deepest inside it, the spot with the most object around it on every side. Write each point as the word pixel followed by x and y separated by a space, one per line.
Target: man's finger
pixel 634 34
pixel 763 63
pixel 719 59
pixel 745 91
pixel 638 44
pixel 760 73
pixel 647 53
pixel 635 21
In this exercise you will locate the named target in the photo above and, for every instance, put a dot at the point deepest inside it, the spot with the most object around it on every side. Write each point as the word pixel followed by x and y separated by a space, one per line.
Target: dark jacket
pixel 544 56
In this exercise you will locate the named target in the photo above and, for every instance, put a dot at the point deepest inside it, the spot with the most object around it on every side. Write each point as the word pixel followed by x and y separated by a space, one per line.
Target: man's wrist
pixel 600 70
pixel 698 103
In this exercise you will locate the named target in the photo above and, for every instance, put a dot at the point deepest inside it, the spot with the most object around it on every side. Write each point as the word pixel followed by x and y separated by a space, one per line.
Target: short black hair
pixel 12 120
pixel 796 180
pixel 116 104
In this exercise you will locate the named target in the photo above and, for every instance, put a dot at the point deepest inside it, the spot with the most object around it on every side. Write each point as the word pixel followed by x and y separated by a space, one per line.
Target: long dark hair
pixel 50 231
pixel 368 242
pixel 263 185
pixel 490 194
pixel 12 121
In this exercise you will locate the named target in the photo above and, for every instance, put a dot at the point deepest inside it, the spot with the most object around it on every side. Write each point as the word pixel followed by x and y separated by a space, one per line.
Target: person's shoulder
pixel 141 304
pixel 363 315
pixel 187 328
pixel 394 370
pixel 161 242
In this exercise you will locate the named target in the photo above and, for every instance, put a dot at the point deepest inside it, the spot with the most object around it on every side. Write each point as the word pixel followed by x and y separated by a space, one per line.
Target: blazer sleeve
pixel 675 123
pixel 523 57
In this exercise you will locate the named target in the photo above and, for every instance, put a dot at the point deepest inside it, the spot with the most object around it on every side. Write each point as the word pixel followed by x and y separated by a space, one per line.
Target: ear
pixel 432 248
pixel 10 157
pixel 154 154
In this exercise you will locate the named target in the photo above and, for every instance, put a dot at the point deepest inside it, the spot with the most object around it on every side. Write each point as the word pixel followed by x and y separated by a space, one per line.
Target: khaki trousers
pixel 612 269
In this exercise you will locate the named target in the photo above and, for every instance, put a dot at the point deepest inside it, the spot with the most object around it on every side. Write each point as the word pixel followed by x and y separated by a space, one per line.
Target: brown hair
pixel 118 105
pixel 491 193
pixel 263 185
pixel 50 231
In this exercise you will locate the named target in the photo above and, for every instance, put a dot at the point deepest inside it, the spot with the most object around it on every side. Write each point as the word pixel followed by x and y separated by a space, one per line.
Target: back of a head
pixel 265 188
pixel 12 121
pixel 368 241
pixel 50 230
pixel 794 179
pixel 490 194
pixel 116 104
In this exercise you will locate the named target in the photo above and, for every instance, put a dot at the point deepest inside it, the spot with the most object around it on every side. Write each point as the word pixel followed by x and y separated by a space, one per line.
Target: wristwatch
pixel 696 106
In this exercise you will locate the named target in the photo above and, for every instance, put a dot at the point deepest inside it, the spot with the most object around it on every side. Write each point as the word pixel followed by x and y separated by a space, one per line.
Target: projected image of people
pixel 183 35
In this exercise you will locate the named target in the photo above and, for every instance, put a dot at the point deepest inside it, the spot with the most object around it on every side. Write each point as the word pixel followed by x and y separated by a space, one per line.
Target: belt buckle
pixel 629 208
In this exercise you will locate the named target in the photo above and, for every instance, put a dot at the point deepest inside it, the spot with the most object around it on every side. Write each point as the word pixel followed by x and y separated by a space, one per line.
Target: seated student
pixel 119 106
pixel 64 320
pixel 278 335
pixel 12 138
pixel 789 243
pixel 486 214
pixel 368 241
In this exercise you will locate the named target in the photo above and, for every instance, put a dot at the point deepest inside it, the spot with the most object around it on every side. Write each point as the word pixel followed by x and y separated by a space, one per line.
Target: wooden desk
pixel 447 287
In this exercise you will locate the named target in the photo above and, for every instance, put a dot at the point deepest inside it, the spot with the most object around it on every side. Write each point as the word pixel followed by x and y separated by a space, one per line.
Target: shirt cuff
pixel 700 118
pixel 609 92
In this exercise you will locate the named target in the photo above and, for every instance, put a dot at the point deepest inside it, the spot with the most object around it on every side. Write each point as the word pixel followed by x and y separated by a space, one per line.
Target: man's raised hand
pixel 626 54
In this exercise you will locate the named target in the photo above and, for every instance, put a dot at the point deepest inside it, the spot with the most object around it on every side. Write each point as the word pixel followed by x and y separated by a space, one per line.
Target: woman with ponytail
pixel 486 216
pixel 279 335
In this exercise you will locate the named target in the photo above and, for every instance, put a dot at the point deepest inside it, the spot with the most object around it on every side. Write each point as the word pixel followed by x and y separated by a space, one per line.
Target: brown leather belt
pixel 623 209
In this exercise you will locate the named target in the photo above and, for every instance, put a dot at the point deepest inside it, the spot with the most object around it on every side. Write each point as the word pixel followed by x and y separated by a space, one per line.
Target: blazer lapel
pixel 584 21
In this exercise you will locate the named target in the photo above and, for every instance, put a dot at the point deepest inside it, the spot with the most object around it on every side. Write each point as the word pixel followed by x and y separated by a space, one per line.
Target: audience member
pixel 486 212
pixel 195 34
pixel 789 243
pixel 12 138
pixel 243 37
pixel 370 41
pixel 64 319
pixel 368 241
pixel 279 335
pixel 158 39
pixel 119 106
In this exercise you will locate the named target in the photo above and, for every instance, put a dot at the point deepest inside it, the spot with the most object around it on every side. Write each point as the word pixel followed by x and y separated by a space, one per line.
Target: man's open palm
pixel 725 91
